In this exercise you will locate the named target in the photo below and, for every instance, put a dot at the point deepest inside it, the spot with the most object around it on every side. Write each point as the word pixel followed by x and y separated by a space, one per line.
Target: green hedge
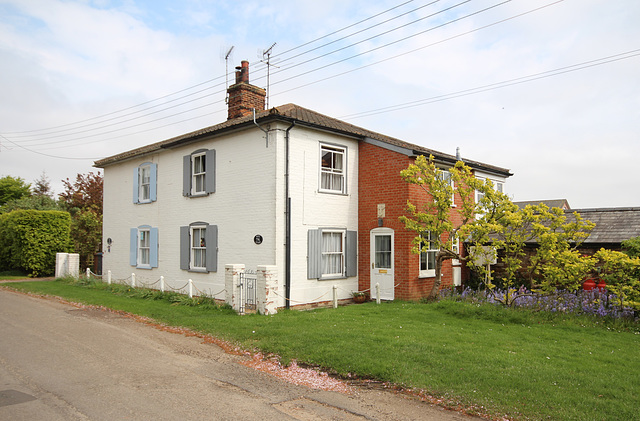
pixel 30 239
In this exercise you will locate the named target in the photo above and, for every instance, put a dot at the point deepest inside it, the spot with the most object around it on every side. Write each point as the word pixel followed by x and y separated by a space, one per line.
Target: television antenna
pixel 226 74
pixel 266 58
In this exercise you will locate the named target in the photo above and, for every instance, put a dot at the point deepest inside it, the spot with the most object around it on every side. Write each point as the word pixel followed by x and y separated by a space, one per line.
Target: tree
pixel 84 193
pixel 631 247
pixel 12 188
pixel 42 186
pixel 622 275
pixel 86 234
pixel 435 221
pixel 31 202
pixel 490 224
pixel 83 199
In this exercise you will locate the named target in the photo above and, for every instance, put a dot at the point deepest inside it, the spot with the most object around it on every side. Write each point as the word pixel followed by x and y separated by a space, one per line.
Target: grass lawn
pixel 516 363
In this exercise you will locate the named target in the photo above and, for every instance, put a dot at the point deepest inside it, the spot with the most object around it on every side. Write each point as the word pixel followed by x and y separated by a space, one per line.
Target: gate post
pixel 232 273
pixel 266 289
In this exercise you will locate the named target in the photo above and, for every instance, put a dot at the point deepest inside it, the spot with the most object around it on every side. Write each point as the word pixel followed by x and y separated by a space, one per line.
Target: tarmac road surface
pixel 59 362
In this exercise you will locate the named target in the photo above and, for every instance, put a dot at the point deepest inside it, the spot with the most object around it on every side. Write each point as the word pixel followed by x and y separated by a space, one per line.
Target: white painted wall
pixel 312 209
pixel 243 205
pixel 249 200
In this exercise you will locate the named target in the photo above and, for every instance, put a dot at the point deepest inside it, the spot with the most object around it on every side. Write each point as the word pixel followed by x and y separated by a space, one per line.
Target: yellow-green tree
pixel 622 275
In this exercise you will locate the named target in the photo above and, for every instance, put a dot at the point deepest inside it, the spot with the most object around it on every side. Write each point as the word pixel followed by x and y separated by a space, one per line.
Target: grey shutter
pixel 352 253
pixel 153 247
pixel 136 179
pixel 153 185
pixel 314 254
pixel 185 248
pixel 211 238
pixel 133 247
pixel 186 175
pixel 210 171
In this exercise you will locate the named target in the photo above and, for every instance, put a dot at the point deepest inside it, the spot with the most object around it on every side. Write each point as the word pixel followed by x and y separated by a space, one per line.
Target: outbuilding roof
pixel 301 116
pixel 613 225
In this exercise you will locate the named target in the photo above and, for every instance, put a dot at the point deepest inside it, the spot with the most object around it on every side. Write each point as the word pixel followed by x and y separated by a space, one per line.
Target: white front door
pixel 382 263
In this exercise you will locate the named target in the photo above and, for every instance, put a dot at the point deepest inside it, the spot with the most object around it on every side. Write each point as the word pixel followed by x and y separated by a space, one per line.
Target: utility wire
pixel 194 86
pixel 498 85
pixel 40 138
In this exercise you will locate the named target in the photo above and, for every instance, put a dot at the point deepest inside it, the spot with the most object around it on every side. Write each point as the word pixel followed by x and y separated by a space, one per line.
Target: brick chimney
pixel 244 97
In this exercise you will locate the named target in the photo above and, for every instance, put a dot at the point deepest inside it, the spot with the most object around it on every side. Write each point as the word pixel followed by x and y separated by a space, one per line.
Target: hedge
pixel 30 239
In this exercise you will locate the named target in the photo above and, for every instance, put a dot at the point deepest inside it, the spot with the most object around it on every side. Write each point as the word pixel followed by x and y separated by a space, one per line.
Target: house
pixel 316 197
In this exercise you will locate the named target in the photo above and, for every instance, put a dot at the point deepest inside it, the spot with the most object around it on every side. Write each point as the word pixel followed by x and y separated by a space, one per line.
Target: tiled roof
pixel 613 225
pixel 555 203
pixel 302 116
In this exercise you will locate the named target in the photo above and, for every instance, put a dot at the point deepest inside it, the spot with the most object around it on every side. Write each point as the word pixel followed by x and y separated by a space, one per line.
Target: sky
pixel 548 89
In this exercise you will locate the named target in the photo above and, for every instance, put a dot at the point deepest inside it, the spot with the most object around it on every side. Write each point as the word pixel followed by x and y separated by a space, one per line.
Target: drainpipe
pixel 266 132
pixel 287 263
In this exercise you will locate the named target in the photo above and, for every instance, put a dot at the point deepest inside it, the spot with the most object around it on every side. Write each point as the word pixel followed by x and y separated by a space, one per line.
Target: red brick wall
pixel 380 183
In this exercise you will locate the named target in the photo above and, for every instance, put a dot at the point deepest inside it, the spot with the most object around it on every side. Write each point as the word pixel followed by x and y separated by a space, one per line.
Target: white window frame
pixel 144 247
pixel 144 186
pixel 428 272
pixel 331 172
pixel 330 254
pixel 200 250
pixel 455 247
pixel 195 176
pixel 446 174
pixel 497 186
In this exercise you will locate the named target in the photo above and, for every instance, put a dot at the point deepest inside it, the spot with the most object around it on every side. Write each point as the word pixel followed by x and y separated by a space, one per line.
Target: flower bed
pixel 596 302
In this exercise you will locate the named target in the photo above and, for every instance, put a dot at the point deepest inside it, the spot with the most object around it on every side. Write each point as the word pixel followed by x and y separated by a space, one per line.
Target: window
pixel 446 175
pixel 144 247
pixel 383 251
pixel 497 186
pixel 332 169
pixel 145 183
pixel 428 251
pixel 332 253
pixel 198 173
pixel 198 165
pixel 199 247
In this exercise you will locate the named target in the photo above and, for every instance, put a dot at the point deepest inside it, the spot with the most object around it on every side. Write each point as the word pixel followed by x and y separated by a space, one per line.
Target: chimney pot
pixel 244 97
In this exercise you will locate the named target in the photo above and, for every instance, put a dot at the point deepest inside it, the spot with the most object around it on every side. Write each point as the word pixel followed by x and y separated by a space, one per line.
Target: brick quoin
pixel 380 183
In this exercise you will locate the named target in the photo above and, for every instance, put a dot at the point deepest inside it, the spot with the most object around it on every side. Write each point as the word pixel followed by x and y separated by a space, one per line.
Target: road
pixel 60 362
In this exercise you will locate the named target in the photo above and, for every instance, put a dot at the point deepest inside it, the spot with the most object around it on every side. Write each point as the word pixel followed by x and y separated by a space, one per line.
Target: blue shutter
pixel 352 253
pixel 186 175
pixel 314 254
pixel 210 171
pixel 136 179
pixel 211 239
pixel 153 247
pixel 153 186
pixel 133 247
pixel 185 248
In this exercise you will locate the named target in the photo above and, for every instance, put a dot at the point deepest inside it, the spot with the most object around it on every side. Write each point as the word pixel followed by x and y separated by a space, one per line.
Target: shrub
pixel 30 239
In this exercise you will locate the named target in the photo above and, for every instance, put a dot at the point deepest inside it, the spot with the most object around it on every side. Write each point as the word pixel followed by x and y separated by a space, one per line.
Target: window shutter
pixel 133 248
pixel 185 248
pixel 136 181
pixel 186 175
pixel 352 253
pixel 211 238
pixel 153 185
pixel 153 247
pixel 210 171
pixel 314 254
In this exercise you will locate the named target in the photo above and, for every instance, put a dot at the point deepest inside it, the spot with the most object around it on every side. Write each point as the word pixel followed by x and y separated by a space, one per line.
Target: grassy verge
pixel 518 363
